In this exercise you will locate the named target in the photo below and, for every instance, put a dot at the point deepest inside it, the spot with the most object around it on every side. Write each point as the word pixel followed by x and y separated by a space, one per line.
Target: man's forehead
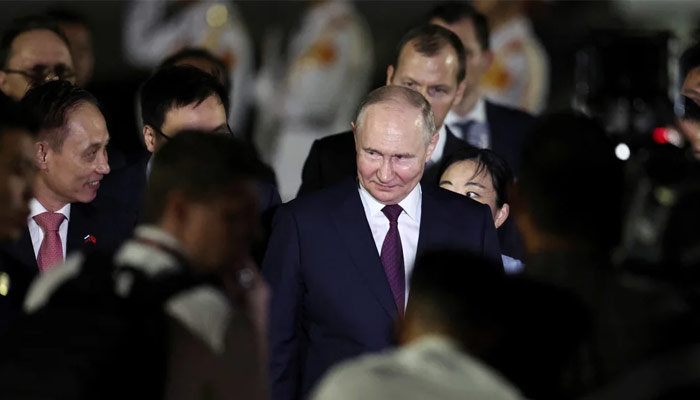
pixel 413 62
pixel 41 46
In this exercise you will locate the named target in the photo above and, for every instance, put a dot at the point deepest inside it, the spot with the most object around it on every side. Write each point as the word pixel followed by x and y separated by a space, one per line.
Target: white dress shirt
pixel 35 231
pixel 409 225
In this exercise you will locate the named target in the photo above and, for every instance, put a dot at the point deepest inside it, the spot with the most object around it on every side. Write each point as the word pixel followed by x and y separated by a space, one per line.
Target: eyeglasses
pixel 228 132
pixel 43 73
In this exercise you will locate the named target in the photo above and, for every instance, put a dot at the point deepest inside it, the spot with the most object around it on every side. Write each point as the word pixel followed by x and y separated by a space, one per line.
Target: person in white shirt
pixel 451 311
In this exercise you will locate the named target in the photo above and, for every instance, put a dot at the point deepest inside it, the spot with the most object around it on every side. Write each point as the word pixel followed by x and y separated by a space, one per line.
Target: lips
pixel 94 184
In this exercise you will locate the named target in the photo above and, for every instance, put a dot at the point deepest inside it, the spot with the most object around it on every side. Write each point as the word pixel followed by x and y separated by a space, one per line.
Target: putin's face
pixel 391 151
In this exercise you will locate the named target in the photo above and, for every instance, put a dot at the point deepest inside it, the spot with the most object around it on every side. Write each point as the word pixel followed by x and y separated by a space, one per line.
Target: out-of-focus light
pixel 660 135
pixel 622 151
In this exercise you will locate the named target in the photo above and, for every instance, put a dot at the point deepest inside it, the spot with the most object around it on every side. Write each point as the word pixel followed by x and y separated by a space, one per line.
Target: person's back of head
pixel 457 295
pixel 571 184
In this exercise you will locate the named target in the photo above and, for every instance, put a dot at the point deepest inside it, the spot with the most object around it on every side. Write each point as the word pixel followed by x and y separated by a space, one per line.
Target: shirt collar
pixel 477 114
pixel 410 203
pixel 35 208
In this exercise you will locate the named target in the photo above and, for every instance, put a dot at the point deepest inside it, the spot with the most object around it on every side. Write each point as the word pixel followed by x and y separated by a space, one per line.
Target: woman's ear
pixel 502 215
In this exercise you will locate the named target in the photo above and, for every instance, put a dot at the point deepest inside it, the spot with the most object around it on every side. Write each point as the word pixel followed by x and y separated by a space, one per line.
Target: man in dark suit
pixel 425 62
pixel 339 259
pixel 69 153
pixel 474 119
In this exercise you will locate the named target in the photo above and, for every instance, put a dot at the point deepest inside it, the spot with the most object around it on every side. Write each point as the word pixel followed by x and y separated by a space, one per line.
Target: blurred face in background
pixel 80 40
pixel 478 59
pixel 35 57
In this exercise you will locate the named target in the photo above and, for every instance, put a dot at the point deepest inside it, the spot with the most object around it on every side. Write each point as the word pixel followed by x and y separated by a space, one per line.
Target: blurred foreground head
pixel 570 191
pixel 201 190
pixel 457 295
pixel 17 170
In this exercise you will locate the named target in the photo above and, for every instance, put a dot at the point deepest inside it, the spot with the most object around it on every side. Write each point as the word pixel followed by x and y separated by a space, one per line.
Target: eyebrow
pixel 475 184
pixel 445 182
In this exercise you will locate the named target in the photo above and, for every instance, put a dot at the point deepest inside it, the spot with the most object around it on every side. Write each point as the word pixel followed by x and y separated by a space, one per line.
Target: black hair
pixel 47 106
pixel 199 165
pixel 26 24
pixel 486 160
pixel 455 11
pixel 220 72
pixel 457 292
pixel 428 40
pixel 177 86
pixel 571 180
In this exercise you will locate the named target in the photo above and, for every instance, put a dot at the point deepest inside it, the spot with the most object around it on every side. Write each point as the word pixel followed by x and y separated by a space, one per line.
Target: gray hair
pixel 403 97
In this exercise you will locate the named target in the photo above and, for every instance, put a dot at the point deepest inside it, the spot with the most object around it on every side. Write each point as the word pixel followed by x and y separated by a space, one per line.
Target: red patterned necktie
pixel 51 249
pixel 392 256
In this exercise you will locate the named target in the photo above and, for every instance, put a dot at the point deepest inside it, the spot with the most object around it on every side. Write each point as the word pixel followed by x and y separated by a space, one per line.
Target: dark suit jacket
pixel 333 159
pixel 106 224
pixel 331 299
pixel 509 128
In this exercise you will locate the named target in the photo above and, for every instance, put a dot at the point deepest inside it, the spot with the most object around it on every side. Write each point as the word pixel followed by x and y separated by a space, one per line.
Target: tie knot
pixel 392 212
pixel 49 221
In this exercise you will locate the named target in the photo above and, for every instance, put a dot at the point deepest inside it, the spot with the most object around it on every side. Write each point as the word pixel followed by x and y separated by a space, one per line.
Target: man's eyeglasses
pixel 160 133
pixel 42 73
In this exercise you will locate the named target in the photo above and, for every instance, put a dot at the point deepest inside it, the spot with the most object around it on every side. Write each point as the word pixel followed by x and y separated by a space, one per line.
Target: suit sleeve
pixel 281 269
pixel 311 174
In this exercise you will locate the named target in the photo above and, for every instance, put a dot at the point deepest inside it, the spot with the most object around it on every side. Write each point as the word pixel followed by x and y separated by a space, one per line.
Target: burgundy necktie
pixel 51 249
pixel 392 256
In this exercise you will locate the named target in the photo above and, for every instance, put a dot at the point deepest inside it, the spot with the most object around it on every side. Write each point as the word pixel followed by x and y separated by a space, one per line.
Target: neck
pixel 47 198
pixel 467 104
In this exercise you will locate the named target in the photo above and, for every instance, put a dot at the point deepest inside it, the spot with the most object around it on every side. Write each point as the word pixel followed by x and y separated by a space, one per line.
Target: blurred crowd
pixel 295 231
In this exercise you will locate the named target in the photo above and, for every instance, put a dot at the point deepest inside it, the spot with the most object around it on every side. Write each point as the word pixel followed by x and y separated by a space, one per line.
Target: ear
pixel 149 138
pixel 431 145
pixel 175 211
pixel 460 91
pixel 389 74
pixel 502 215
pixel 41 154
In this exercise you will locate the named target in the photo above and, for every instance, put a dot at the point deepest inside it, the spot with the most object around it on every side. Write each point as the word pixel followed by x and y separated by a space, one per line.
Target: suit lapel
pixel 79 226
pixel 495 129
pixel 22 251
pixel 427 219
pixel 355 233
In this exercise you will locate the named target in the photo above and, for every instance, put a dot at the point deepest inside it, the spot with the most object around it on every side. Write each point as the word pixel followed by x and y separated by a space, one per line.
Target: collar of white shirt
pixel 410 204
pixel 35 208
pixel 477 114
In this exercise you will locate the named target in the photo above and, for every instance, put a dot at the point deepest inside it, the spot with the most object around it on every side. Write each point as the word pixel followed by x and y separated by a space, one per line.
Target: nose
pixel 103 164
pixel 385 171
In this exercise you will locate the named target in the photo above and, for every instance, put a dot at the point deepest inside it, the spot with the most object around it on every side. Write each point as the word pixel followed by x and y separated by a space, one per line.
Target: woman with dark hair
pixel 481 175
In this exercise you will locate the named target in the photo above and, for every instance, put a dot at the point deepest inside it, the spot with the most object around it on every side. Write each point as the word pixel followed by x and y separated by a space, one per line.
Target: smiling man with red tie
pixel 339 260
pixel 71 159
